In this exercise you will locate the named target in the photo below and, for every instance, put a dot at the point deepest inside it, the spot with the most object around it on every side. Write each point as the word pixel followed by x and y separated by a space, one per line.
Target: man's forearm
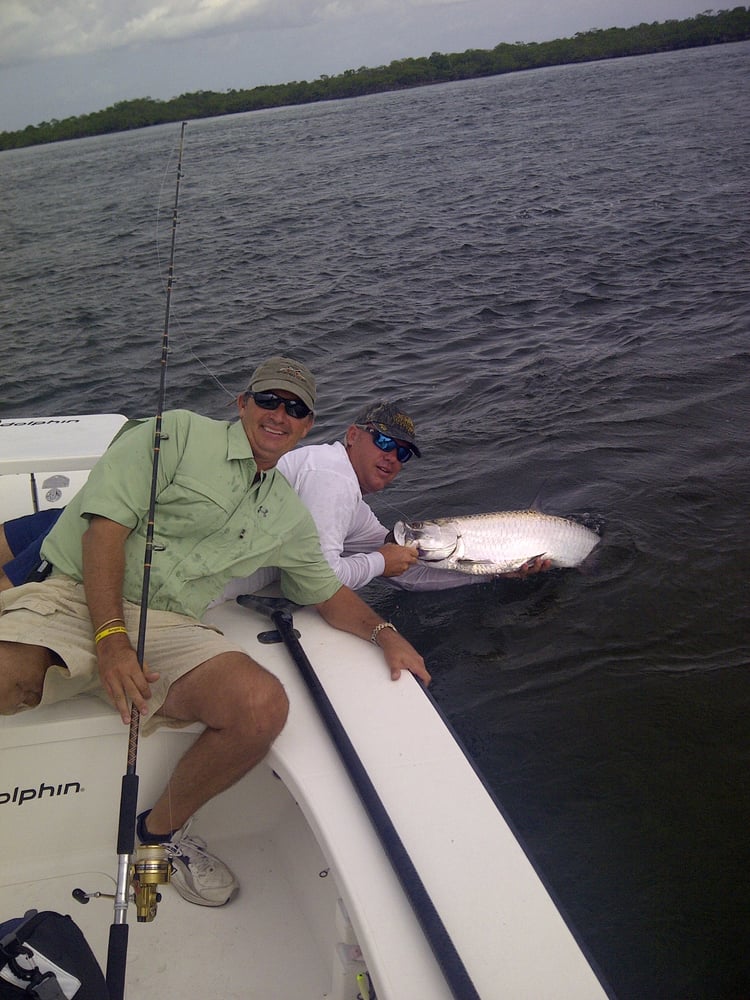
pixel 103 569
pixel 348 612
pixel 121 675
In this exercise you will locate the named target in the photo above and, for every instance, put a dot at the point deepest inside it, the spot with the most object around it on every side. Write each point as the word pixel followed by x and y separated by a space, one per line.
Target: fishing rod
pixel 448 958
pixel 151 867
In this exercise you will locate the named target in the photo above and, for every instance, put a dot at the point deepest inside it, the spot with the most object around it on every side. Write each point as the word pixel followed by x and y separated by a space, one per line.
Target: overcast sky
pixel 69 57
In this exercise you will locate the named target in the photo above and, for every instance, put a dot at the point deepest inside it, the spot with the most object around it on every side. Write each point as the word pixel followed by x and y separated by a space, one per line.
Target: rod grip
pixel 128 806
pixel 117 955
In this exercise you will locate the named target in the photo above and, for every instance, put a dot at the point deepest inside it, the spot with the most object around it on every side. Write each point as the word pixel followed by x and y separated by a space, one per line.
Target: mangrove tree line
pixel 708 28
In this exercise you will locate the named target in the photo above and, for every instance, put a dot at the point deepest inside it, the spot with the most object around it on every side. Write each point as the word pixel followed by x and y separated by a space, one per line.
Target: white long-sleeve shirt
pixel 349 531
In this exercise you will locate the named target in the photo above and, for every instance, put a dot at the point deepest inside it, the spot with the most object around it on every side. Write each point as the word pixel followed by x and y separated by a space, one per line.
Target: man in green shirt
pixel 222 511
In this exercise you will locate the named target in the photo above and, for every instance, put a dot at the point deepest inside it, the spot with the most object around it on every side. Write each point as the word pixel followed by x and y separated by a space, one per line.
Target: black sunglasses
pixel 270 401
pixel 385 443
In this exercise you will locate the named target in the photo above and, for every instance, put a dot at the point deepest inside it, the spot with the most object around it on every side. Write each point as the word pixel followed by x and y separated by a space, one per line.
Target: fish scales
pixel 499 542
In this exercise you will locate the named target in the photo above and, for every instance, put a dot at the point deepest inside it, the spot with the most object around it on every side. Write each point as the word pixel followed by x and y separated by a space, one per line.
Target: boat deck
pixel 262 945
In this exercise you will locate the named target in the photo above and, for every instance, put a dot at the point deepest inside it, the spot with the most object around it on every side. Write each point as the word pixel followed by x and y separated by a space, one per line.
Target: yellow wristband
pixel 103 633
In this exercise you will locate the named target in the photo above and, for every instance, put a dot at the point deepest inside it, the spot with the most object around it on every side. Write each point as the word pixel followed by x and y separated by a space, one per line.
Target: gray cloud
pixel 43 29
pixel 70 57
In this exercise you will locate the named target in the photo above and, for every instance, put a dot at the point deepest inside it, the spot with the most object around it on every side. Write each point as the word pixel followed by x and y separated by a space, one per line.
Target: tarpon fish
pixel 497 543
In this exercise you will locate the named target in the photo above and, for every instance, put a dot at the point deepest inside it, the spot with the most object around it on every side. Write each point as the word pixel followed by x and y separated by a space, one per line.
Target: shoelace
pixel 195 850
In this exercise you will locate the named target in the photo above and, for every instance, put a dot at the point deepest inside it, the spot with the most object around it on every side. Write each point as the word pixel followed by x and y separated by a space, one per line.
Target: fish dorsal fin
pixel 537 504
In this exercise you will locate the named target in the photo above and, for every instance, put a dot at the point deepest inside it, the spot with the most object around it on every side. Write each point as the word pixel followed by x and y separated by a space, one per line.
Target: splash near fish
pixel 500 542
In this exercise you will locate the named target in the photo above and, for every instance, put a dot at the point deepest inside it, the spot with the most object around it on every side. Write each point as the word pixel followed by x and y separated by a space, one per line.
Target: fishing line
pixel 176 322
pixel 383 502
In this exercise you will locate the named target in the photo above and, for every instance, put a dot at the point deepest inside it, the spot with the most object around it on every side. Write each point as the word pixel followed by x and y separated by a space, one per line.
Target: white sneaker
pixel 198 876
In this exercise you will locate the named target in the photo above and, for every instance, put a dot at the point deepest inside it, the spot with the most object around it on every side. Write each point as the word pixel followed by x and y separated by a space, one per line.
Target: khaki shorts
pixel 55 614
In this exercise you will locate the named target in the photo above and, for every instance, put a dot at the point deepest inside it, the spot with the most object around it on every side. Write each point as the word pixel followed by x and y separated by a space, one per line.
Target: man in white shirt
pixel 332 479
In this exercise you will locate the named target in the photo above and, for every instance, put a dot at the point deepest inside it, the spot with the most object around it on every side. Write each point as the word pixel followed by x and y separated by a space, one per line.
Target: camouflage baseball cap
pixel 391 420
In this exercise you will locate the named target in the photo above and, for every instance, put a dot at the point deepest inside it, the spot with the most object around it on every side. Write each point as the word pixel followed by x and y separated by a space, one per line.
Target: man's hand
pixel 401 655
pixel 348 612
pixel 398 558
pixel 539 564
pixel 122 677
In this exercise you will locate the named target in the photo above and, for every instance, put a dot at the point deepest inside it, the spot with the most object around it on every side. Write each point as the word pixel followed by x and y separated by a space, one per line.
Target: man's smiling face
pixel 374 468
pixel 271 433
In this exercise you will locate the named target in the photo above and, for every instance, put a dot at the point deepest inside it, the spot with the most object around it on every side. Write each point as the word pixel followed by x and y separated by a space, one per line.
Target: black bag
pixel 44 955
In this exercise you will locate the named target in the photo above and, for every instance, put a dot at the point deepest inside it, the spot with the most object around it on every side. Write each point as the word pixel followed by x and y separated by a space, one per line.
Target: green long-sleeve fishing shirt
pixel 213 522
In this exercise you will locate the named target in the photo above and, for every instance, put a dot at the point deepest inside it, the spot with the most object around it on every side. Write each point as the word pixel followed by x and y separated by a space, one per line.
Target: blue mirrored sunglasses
pixel 385 443
pixel 270 401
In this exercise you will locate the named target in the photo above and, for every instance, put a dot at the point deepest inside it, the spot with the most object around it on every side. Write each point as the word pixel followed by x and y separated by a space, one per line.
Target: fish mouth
pixel 435 543
pixel 407 534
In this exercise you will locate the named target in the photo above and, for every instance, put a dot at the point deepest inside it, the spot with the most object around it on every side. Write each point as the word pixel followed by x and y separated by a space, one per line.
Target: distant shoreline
pixel 588 46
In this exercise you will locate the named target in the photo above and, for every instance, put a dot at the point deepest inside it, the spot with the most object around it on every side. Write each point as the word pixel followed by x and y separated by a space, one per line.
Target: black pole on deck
pixel 448 958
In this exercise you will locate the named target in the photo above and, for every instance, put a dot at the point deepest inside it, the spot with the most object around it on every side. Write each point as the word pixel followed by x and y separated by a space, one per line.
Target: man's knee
pixel 255 705
pixel 267 704
pixel 22 671
pixel 231 692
